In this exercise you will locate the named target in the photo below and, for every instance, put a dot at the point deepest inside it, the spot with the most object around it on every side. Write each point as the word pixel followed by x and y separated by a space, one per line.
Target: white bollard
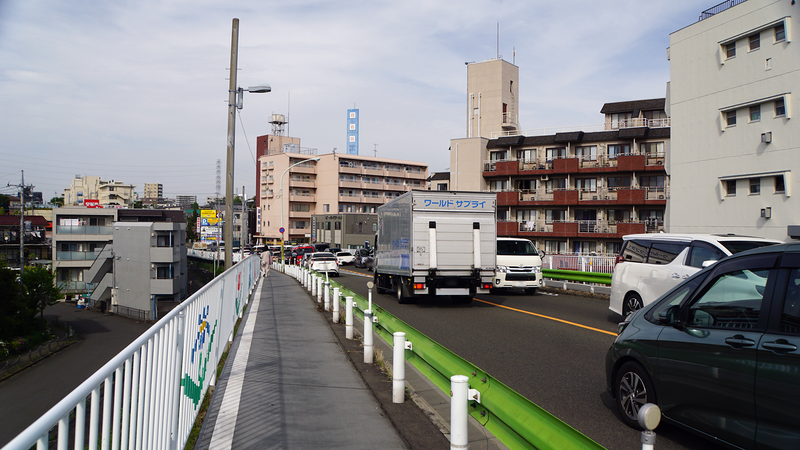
pixel 368 347
pixel 319 289
pixel 348 317
pixel 459 389
pixel 399 368
pixel 326 287
pixel 336 305
pixel 649 417
pixel 312 284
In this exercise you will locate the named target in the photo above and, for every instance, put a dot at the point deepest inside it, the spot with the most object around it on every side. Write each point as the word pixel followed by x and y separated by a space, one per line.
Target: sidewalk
pixel 289 385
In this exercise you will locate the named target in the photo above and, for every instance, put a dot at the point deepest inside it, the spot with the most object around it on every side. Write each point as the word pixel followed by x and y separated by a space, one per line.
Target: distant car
pixel 299 253
pixel 334 250
pixel 362 256
pixel 649 265
pixel 718 353
pixel 323 262
pixel 345 258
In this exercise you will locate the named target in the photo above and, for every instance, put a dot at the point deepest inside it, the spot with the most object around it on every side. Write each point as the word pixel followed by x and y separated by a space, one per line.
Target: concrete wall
pixel 705 151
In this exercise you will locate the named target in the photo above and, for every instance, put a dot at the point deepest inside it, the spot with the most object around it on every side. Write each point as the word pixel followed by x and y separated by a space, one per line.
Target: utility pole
pixel 21 187
pixel 228 223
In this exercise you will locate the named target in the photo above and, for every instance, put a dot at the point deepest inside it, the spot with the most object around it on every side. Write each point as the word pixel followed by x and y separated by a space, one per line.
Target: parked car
pixel 649 265
pixel 345 258
pixel 299 252
pixel 719 352
pixel 323 262
pixel 335 250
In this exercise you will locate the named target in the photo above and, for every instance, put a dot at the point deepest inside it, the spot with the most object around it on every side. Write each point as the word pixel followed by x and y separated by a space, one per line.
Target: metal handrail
pixel 159 380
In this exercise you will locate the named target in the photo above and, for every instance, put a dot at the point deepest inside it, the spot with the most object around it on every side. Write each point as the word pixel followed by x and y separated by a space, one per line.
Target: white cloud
pixel 137 90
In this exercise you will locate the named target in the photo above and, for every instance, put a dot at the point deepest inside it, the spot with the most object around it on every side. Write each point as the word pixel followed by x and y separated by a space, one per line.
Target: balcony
pixel 84 229
pixel 350 184
pixel 350 198
pixel 300 214
pixel 638 123
pixel 303 168
pixel 302 183
pixel 395 187
pixel 77 256
pixel 350 167
pixel 165 254
pixel 303 198
pixel 374 170
pixel 415 174
pixel 509 121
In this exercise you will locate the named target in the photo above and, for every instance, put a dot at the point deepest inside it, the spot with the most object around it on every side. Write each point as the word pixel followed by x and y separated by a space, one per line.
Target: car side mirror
pixel 542 254
pixel 671 316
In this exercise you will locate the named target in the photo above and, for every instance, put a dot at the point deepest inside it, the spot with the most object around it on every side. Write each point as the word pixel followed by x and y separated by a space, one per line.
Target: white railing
pixel 152 390
pixel 582 263
pixel 628 123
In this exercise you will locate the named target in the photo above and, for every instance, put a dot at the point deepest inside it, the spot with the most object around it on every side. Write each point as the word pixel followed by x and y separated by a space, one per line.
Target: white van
pixel 651 264
pixel 519 265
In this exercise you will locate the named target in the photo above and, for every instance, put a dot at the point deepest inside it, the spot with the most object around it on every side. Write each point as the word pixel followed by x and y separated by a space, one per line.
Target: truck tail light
pixel 419 285
pixel 486 285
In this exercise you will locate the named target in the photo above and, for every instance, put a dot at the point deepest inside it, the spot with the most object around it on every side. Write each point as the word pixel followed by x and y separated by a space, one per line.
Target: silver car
pixel 324 262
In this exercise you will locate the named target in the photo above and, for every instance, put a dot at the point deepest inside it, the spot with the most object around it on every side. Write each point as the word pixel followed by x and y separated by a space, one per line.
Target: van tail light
pixel 620 259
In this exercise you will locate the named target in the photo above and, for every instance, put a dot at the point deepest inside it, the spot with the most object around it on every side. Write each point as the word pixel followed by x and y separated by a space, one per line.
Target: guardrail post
pixel 318 287
pixel 348 317
pixel 399 368
pixel 310 283
pixel 368 347
pixel 326 288
pixel 336 305
pixel 176 400
pixel 459 392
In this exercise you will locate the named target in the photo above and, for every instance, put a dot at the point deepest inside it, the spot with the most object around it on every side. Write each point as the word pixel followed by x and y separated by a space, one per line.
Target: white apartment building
pixel 108 193
pixel 735 152
pixel 337 183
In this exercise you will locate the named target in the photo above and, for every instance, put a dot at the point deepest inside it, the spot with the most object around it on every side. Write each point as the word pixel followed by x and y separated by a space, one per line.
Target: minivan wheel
pixel 633 302
pixel 633 389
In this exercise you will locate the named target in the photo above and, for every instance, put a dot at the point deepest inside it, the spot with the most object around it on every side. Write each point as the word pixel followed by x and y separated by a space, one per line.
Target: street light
pixel 235 95
pixel 281 194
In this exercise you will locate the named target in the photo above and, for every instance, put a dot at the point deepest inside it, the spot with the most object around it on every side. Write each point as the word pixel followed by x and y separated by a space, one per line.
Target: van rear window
pixel 635 251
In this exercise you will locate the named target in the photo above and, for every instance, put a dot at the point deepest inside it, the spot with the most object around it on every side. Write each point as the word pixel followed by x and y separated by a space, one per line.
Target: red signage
pixel 92 203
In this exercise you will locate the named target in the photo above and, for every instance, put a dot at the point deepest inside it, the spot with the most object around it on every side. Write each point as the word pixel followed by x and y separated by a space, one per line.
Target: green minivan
pixel 719 352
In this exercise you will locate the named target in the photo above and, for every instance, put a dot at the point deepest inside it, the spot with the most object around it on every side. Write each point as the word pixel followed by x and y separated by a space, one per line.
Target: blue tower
pixel 352 131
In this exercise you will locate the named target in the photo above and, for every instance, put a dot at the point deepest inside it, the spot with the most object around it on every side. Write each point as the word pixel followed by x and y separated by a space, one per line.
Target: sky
pixel 137 91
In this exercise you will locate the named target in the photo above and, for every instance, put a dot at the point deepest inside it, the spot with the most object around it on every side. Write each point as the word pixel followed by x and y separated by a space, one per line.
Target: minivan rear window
pixel 665 252
pixel 635 251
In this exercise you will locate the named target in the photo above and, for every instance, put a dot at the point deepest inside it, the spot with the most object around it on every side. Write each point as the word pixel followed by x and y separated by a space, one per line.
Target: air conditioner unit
pixel 545 177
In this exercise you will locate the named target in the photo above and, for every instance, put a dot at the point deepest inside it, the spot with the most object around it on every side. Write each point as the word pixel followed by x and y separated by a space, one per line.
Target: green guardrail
pixel 574 275
pixel 514 420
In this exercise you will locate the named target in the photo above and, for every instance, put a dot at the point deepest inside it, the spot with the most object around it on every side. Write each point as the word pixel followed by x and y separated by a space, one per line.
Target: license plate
pixel 519 284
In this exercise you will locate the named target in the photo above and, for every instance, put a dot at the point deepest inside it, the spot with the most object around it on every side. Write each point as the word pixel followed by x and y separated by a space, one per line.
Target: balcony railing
pixel 719 8
pixel 84 229
pixel 590 161
pixel 606 126
pixel 77 256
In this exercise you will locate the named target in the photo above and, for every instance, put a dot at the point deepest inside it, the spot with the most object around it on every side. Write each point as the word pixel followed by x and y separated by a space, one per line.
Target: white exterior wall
pixel 704 84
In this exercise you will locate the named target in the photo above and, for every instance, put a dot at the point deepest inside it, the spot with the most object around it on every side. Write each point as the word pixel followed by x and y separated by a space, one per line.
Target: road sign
pixel 281 229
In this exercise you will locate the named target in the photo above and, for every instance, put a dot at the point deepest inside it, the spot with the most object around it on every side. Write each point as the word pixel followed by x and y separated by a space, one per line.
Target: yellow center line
pixel 548 317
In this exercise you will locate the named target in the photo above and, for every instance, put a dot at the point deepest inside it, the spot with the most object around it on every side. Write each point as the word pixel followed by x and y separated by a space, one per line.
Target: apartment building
pixel 336 183
pixel 34 237
pixel 153 194
pixel 108 193
pixel 735 159
pixel 345 230
pixel 568 189
pixel 79 235
pixel 185 201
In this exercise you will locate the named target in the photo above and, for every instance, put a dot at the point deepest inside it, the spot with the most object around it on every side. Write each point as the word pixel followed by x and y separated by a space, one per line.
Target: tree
pixel 191 223
pixel 57 201
pixel 5 202
pixel 13 317
pixel 39 290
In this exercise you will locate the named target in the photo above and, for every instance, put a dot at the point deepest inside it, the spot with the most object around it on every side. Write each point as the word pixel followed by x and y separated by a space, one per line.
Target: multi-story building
pixel 439 181
pixel 109 193
pixel 570 189
pixel 735 147
pixel 79 234
pixel 153 194
pixel 35 240
pixel 144 268
pixel 337 183
pixel 345 230
pixel 185 201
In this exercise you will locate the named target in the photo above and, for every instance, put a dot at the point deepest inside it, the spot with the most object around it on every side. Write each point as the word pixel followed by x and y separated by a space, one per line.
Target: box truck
pixel 439 243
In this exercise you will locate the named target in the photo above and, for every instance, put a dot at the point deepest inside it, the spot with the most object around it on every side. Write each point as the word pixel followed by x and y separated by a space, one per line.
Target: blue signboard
pixel 352 131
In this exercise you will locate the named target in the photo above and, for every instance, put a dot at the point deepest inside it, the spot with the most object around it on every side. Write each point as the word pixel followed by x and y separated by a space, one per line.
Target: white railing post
pixel 368 347
pixel 176 400
pixel 326 287
pixel 348 317
pixel 310 285
pixel 319 288
pixel 459 389
pixel 336 305
pixel 399 367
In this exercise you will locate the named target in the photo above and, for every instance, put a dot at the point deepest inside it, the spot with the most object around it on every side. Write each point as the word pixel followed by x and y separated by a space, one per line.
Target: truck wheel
pixel 401 297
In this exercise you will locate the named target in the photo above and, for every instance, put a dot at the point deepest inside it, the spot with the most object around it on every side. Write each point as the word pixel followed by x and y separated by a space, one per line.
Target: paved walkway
pixel 290 385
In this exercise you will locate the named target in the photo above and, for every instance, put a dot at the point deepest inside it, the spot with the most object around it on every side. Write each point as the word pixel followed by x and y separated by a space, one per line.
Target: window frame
pixel 754 38
pixel 782 32
pixel 728 116
pixel 755 186
pixel 730 192
pixel 755 113
pixel 730 50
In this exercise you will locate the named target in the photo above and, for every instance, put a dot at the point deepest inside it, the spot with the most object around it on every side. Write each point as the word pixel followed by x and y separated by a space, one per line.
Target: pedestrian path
pixel 289 384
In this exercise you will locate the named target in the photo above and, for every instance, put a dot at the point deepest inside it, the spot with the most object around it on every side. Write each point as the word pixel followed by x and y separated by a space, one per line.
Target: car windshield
pixel 516 248
pixel 344 254
pixel 739 246
pixel 324 257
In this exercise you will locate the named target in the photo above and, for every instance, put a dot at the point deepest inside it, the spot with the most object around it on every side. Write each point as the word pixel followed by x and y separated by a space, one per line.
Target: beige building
pixel 735 160
pixel 337 183
pixel 108 193
pixel 153 194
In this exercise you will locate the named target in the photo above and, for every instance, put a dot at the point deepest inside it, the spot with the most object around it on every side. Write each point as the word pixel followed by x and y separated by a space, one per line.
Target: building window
pixel 780 108
pixel 556 153
pixel 441 187
pixel 620 120
pixel 780 184
pixel 586 184
pixel 780 33
pixel 730 188
pixel 730 50
pixel 652 149
pixel 555 247
pixel 615 183
pixel 326 207
pixel 755 41
pixel 730 118
pixel 755 113
pixel 615 150
pixel 498 185
pixel 337 225
pixel 552 215
pixel 755 186
pixel 588 153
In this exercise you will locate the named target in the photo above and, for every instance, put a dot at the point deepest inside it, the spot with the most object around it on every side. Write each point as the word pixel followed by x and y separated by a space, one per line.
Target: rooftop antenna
pixel 514 55
pixel 375 152
pixel 498 39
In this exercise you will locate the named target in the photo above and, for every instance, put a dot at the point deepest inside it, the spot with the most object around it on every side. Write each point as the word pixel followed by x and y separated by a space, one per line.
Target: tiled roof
pixel 439 176
pixel 36 221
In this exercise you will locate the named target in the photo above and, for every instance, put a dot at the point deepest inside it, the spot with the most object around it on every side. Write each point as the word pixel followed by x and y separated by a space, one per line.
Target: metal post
pixel 649 417
pixel 368 347
pixel 310 283
pixel 459 389
pixel 348 317
pixel 326 288
pixel 399 368
pixel 319 289
pixel 314 285
pixel 228 219
pixel 336 305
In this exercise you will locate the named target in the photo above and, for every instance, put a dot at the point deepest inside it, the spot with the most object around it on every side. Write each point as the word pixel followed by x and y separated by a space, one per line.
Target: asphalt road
pixel 549 347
